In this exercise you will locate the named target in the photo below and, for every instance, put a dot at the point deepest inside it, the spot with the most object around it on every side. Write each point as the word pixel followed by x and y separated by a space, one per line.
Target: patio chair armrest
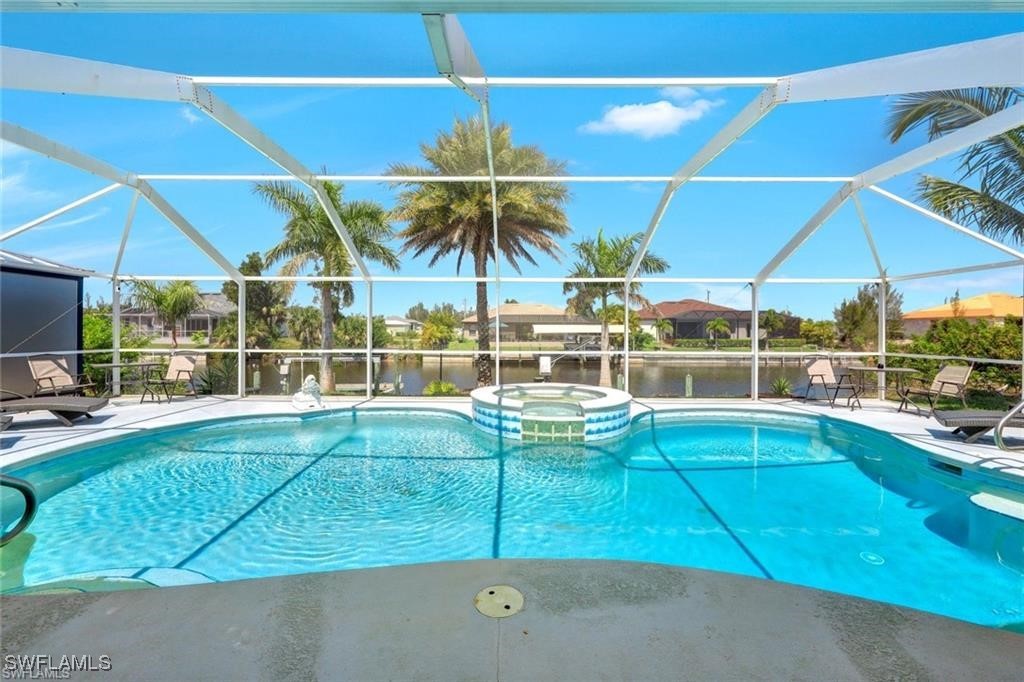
pixel 187 372
pixel 40 387
pixel 960 388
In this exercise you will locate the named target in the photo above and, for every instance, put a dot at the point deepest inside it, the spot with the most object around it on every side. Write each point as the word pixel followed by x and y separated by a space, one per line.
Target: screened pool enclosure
pixel 871 213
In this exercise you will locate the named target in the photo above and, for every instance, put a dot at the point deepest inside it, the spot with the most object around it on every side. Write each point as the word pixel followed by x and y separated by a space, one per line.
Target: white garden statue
pixel 308 397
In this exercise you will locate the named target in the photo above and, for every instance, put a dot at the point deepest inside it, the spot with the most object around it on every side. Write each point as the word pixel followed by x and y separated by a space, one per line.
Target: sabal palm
pixel 665 328
pixel 172 302
pixel 304 325
pixel 310 240
pixel 455 218
pixel 607 257
pixel 718 327
pixel 997 205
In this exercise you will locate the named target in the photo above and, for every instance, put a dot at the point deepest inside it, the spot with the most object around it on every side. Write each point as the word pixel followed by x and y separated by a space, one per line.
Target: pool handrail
pixel 1018 408
pixel 28 491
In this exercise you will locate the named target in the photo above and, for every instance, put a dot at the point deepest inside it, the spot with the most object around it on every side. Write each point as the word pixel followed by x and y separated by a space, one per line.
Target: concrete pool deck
pixel 582 620
pixel 36 434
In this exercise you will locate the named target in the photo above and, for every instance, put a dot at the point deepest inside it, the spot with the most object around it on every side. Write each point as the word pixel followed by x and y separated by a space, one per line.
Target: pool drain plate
pixel 498 601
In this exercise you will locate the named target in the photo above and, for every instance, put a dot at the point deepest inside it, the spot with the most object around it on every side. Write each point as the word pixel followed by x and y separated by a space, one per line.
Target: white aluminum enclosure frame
pixel 991 62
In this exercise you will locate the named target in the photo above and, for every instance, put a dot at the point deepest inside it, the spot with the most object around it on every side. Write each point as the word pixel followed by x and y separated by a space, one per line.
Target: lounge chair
pixel 180 373
pixel 64 407
pixel 973 424
pixel 951 381
pixel 53 377
pixel 821 369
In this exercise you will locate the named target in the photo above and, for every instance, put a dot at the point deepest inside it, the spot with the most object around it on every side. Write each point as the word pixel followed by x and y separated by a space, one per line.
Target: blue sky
pixel 711 230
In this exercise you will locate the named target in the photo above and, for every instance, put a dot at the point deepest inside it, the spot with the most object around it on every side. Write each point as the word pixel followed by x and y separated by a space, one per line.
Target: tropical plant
pixel 441 388
pixel 218 376
pixel 821 333
pixel 996 206
pixel 665 329
pixel 456 218
pixel 310 240
pixel 857 318
pixel 172 302
pixel 438 329
pixel 305 325
pixel 770 322
pixel 98 333
pixel 781 387
pixel 718 327
pixel 607 257
pixel 350 331
pixel 264 308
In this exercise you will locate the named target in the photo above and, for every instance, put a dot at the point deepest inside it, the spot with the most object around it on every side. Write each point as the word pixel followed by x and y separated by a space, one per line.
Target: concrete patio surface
pixel 582 620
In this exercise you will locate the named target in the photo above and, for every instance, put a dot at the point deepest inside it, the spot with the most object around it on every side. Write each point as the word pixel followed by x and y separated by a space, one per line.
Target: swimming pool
pixel 804 500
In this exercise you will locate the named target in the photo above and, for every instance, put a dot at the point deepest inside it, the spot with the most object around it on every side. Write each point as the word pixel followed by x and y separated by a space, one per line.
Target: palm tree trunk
pixel 326 340
pixel 483 361
pixel 174 334
pixel 605 378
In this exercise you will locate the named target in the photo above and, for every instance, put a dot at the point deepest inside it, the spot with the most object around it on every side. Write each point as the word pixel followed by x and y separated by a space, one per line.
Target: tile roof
pixel 682 307
pixel 522 309
pixel 993 304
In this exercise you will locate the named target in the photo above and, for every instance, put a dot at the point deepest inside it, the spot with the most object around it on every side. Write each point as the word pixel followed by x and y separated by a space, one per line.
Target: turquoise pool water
pixel 802 500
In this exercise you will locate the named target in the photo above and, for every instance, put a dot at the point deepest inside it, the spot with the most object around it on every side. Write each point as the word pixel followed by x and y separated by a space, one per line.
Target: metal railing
pixel 1003 423
pixel 31 505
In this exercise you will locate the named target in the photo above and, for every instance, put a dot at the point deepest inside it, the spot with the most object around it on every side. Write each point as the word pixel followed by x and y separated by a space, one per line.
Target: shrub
pixel 781 387
pixel 441 388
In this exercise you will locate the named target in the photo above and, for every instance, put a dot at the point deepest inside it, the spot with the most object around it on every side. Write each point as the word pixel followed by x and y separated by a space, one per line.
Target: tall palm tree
pixel 607 257
pixel 446 218
pixel 310 240
pixel 718 327
pixel 172 302
pixel 997 205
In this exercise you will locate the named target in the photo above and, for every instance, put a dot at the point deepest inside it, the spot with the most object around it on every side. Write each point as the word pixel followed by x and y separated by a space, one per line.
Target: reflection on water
pixel 646 380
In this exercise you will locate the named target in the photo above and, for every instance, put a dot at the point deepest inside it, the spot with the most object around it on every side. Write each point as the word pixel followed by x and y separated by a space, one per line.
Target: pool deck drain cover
pixel 498 601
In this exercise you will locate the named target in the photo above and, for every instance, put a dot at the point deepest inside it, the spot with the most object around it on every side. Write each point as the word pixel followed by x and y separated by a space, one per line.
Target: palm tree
pixel 611 257
pixel 446 218
pixel 997 205
pixel 665 328
pixel 172 302
pixel 771 321
pixel 310 240
pixel 718 327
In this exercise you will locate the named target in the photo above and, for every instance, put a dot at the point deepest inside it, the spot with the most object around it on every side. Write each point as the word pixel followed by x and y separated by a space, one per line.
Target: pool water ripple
pixel 803 500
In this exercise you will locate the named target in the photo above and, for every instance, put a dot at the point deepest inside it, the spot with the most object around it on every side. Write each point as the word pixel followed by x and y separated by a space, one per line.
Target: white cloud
pixel 9 151
pixel 16 191
pixel 75 221
pixel 649 121
pixel 679 93
pixel 190 116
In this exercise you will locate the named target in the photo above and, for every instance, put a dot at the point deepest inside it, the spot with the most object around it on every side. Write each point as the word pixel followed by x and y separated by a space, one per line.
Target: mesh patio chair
pixel 53 376
pixel 180 372
pixel 951 381
pixel 821 371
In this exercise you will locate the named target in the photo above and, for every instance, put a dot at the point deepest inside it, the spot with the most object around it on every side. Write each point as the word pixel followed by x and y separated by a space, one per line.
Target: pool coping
pixel 582 619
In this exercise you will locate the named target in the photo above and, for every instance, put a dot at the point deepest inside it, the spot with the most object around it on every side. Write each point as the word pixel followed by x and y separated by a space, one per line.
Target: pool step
pixel 550 431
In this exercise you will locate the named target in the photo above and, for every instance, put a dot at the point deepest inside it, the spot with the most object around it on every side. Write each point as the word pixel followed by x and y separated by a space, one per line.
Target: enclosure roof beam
pixel 504 6
pixel 957 271
pixel 743 121
pixel 59 211
pixel 990 62
pixel 949 223
pixel 993 62
pixel 58 152
pixel 28 70
pixel 955 141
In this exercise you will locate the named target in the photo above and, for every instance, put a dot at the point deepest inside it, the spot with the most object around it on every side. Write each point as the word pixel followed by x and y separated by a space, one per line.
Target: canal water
pixel 651 379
